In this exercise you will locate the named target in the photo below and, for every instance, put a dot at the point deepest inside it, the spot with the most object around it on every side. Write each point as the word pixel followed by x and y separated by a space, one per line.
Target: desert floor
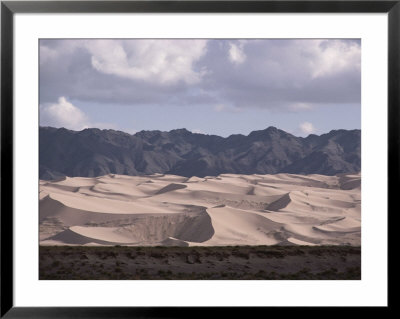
pixel 207 263
pixel 281 226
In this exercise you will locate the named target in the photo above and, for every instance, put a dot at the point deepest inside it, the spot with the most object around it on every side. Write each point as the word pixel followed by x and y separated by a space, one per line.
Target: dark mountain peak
pixel 90 131
pixel 271 129
pixel 95 152
pixel 48 128
pixel 311 139
pixel 342 131
pixel 103 133
pixel 180 131
pixel 63 129
pixel 269 132
pixel 147 134
pixel 235 137
pixel 148 131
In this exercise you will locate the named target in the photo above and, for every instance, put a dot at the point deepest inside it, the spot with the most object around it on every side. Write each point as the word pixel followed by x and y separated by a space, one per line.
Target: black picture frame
pixel 9 8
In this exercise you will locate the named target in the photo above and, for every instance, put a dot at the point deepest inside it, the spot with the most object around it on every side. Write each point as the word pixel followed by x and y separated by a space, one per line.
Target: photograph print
pixel 213 159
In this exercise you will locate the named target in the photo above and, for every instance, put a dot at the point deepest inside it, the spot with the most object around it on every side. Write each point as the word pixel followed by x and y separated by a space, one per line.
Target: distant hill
pixel 94 152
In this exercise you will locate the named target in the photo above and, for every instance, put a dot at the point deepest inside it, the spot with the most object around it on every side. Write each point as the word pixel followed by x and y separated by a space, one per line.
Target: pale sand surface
pixel 230 209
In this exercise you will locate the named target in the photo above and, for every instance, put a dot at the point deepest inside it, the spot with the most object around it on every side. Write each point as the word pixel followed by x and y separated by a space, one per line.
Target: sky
pixel 208 86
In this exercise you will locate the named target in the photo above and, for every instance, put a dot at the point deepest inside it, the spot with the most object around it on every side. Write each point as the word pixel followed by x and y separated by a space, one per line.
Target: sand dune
pixel 283 209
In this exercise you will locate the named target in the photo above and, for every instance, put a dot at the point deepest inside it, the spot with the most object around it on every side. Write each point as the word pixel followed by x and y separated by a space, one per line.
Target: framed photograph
pixel 161 156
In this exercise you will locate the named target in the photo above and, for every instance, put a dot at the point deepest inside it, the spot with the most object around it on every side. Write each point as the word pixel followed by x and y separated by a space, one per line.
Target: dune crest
pixel 230 209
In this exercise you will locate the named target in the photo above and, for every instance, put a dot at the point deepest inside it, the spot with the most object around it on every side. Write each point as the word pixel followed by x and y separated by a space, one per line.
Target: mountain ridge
pixel 95 152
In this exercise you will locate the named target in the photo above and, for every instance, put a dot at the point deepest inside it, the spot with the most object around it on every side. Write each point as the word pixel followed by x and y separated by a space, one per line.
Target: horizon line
pixel 196 133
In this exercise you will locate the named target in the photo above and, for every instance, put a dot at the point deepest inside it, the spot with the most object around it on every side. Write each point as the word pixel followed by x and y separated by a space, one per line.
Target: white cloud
pixel 307 128
pixel 156 61
pixel 236 54
pixel 63 114
pixel 300 106
pixel 197 131
pixel 333 57
pixel 64 48
pixel 47 54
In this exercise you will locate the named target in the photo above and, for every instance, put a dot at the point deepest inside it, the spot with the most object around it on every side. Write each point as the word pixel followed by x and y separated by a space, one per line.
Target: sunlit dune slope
pixel 229 209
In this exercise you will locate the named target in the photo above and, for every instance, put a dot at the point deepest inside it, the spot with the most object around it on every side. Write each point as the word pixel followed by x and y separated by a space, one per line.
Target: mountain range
pixel 94 152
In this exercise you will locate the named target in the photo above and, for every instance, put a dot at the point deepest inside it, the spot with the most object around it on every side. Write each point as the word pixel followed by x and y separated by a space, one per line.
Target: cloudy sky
pixel 220 87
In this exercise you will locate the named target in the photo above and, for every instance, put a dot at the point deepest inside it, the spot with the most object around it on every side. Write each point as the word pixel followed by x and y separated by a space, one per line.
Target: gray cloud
pixel 280 73
pixel 288 74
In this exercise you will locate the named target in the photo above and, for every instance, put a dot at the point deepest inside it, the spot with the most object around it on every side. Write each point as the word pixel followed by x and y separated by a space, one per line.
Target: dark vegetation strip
pixel 165 250
pixel 208 263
